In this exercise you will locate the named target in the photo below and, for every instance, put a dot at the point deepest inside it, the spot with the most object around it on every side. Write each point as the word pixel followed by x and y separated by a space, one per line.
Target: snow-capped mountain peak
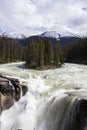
pixel 52 34
pixel 57 35
pixel 5 31
pixel 63 32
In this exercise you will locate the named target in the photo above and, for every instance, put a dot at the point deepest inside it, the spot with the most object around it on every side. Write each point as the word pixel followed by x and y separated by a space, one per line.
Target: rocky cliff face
pixel 10 90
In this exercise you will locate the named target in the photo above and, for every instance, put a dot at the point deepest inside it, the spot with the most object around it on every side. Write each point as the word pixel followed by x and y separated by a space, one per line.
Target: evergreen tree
pixel 56 55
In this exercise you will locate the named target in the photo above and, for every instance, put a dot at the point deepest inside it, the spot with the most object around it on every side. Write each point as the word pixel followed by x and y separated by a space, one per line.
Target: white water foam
pixel 46 90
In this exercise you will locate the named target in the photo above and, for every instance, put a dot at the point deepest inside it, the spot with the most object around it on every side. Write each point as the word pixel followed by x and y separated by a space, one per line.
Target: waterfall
pixel 14 94
pixel 58 102
pixel 20 92
pixel 60 114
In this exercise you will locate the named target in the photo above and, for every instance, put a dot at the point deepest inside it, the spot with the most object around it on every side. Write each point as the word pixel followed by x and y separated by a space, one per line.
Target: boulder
pixel 10 90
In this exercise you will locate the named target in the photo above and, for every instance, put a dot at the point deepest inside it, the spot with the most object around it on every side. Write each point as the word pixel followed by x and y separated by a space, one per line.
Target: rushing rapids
pixel 55 100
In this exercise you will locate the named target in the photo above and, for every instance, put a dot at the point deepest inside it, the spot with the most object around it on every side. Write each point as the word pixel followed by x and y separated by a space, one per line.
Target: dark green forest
pixel 77 52
pixel 10 50
pixel 43 53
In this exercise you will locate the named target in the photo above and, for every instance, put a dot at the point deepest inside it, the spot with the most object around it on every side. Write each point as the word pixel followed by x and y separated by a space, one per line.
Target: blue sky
pixel 36 16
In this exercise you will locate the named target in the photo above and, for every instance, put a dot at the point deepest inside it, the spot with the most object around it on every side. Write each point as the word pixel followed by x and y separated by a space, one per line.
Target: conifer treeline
pixel 77 52
pixel 10 50
pixel 43 53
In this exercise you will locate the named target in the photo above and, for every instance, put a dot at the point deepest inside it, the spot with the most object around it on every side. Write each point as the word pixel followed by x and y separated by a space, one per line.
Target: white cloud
pixel 36 16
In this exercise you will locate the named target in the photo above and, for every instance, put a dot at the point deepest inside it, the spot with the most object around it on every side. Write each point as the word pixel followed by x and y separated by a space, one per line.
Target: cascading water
pixel 56 99
pixel 12 89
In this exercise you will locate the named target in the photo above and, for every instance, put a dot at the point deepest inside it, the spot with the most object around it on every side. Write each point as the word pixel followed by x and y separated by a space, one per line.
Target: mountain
pixel 64 36
pixel 6 31
pixel 13 35
pixel 58 35
pixel 62 32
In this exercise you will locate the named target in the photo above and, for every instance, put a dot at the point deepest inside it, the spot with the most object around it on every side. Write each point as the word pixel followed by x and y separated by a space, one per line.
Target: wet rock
pixel 79 115
pixel 24 88
pixel 10 90
pixel 6 101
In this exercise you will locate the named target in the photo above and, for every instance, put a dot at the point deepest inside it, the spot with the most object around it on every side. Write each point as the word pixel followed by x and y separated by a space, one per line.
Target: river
pixel 56 99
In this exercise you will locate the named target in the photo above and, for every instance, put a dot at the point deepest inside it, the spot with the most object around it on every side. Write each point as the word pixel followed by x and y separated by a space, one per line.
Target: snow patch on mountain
pixel 63 32
pixel 58 35
pixel 13 35
pixel 5 31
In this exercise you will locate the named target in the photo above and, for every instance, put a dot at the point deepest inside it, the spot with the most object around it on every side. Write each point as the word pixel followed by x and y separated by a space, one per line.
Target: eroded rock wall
pixel 10 91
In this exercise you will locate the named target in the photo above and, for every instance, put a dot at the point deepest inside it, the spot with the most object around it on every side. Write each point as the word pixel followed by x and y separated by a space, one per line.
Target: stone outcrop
pixel 78 116
pixel 10 90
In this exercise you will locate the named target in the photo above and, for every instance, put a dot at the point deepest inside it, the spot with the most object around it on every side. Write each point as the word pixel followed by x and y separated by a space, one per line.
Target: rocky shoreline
pixel 10 90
